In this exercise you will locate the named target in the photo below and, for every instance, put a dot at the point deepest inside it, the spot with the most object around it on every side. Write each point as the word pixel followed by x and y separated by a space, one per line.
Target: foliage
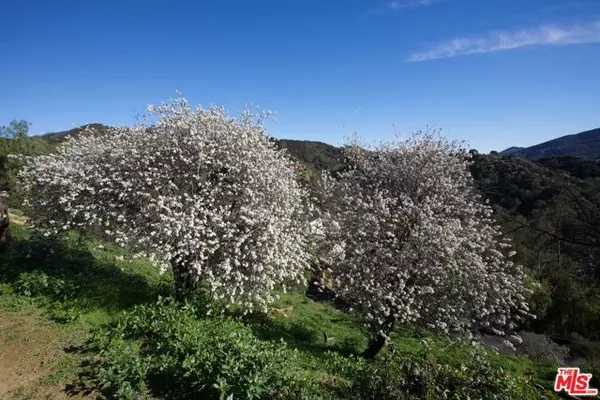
pixel 163 333
pixel 513 183
pixel 15 129
pixel 551 210
pixel 424 375
pixel 319 156
pixel 166 349
pixel 15 141
pixel 410 240
pixel 580 168
pixel 163 350
pixel 74 276
pixel 205 193
pixel 38 283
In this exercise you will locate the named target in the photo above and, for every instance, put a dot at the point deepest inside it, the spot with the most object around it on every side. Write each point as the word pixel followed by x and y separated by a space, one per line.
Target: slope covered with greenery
pixel 584 144
pixel 105 327
pixel 551 209
pixel 126 338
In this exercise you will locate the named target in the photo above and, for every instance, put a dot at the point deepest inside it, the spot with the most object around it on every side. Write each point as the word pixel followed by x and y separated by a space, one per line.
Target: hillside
pixel 323 156
pixel 584 144
pixel 319 155
pixel 55 137
pixel 88 321
pixel 549 208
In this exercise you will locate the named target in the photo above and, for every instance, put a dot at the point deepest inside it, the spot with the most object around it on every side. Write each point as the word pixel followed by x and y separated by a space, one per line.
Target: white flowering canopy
pixel 196 189
pixel 410 240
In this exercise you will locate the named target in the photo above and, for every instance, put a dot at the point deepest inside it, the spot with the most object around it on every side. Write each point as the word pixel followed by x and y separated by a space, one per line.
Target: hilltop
pixel 584 144
pixel 56 137
pixel 323 156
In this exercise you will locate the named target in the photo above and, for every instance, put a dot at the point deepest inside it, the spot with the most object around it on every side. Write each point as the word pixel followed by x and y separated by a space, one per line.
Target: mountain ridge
pixel 323 155
pixel 584 144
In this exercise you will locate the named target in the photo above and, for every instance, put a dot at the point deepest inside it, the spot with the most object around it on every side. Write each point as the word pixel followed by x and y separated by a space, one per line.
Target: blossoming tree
pixel 208 194
pixel 410 241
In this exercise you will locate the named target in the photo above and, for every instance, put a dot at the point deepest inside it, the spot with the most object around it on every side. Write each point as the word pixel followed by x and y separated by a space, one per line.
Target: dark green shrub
pixel 421 376
pixel 165 349
pixel 38 283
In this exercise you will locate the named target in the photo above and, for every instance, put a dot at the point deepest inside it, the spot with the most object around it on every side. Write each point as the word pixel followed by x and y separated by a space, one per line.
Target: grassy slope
pixel 49 304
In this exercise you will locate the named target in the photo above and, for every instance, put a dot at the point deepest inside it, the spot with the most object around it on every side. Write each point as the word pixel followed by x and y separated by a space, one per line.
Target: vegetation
pixel 584 144
pixel 552 217
pixel 197 190
pixel 124 336
pixel 411 242
pixel 14 140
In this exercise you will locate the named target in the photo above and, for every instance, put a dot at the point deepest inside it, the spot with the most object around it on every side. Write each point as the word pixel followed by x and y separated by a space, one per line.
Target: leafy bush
pixel 38 283
pixel 167 350
pixel 398 376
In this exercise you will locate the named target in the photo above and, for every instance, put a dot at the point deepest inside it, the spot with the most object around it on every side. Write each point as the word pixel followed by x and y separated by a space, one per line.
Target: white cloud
pixel 402 5
pixel 399 5
pixel 500 41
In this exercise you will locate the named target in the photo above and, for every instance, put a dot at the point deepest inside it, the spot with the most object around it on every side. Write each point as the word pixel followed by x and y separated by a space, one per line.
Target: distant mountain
pixel 323 156
pixel 319 155
pixel 62 135
pixel 584 144
pixel 512 151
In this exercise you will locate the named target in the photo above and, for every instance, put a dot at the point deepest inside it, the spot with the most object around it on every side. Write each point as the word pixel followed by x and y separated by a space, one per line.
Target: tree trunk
pixel 375 346
pixel 380 340
pixel 184 281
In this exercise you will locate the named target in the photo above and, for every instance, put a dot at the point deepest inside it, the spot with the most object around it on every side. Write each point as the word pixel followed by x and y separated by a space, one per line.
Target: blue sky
pixel 495 73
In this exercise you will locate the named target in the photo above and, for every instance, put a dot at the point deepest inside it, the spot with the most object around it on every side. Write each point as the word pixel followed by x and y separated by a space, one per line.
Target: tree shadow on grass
pixel 299 336
pixel 64 271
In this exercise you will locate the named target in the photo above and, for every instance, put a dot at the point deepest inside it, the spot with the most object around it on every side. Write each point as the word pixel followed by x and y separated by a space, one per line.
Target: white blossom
pixel 410 239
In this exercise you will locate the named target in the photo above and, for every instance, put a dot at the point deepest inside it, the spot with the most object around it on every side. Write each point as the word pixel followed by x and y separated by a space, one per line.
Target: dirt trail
pixel 30 351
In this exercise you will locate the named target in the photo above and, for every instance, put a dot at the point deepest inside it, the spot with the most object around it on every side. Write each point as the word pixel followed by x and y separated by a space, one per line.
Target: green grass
pixel 73 287
pixel 84 284
pixel 312 326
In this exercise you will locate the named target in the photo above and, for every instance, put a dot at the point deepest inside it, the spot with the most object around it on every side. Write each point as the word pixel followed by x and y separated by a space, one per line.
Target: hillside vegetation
pixel 105 324
pixel 584 144
pixel 105 327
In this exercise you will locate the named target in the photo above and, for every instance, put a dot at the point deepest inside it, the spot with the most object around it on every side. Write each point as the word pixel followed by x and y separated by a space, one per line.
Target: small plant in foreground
pixel 38 283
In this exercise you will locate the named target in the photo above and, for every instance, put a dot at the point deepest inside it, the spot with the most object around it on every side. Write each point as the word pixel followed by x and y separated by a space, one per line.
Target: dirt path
pixel 32 360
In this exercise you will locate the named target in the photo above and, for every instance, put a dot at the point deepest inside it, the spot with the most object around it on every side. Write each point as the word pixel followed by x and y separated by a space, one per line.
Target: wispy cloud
pixel 402 5
pixel 501 41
